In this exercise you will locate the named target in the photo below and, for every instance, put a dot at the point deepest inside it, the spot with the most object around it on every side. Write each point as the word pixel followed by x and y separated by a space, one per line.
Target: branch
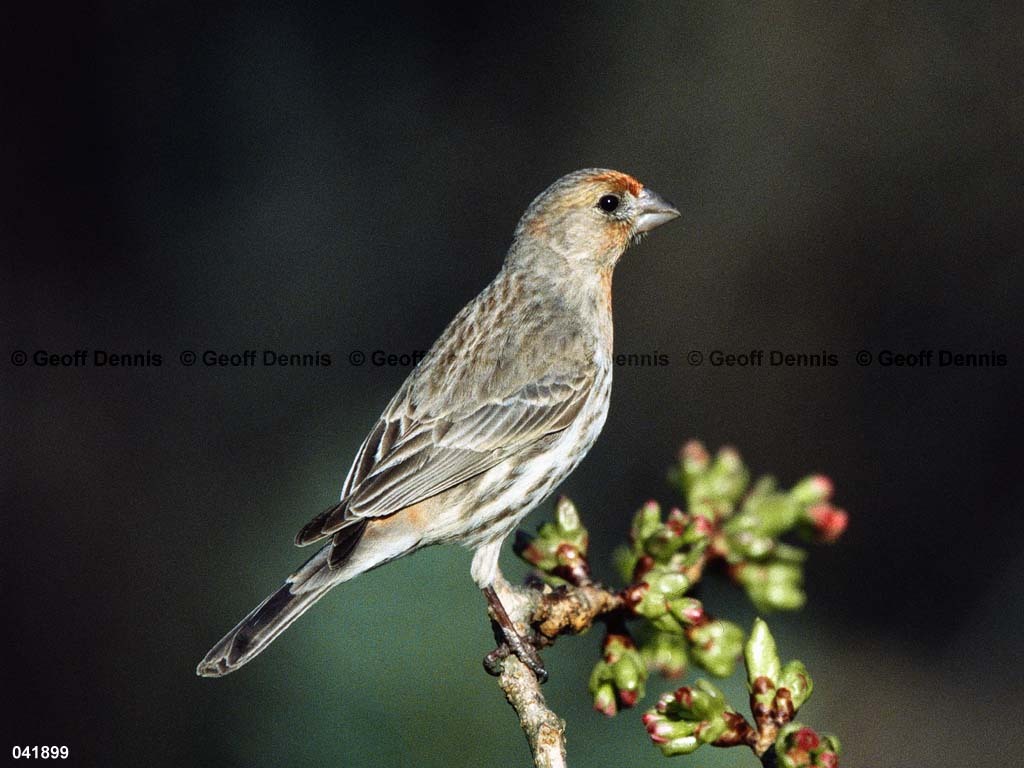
pixel 545 731
pixel 541 615
pixel 572 610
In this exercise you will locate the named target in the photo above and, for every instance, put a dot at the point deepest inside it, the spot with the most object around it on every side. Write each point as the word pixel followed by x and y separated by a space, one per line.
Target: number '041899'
pixel 40 753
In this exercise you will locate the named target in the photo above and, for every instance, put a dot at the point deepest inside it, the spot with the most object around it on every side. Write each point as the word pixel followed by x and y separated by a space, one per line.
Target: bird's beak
pixel 654 210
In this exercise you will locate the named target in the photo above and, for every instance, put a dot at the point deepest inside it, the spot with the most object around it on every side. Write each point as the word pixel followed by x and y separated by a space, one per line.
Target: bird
pixel 501 409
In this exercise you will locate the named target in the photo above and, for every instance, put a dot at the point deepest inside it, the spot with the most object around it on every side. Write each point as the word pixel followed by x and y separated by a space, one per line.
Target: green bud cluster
pixel 676 542
pixel 712 488
pixel 770 571
pixel 750 522
pixel 798 746
pixel 660 553
pixel 732 520
pixel 684 720
pixel 559 549
pixel 728 521
pixel 660 598
pixel 618 679
pixel 775 583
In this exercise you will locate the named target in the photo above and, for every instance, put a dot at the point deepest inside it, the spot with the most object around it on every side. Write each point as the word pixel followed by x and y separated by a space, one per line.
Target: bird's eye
pixel 608 203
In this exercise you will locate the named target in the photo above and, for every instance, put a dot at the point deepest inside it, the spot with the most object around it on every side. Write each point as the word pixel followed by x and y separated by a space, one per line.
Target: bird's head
pixel 592 215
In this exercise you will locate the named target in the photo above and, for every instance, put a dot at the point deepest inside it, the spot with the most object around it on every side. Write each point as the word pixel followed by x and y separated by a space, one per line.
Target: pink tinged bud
pixel 604 701
pixel 648 718
pixel 684 696
pixel 822 487
pixel 625 640
pixel 828 760
pixel 695 614
pixel 634 595
pixel 829 522
pixel 806 739
pixel 676 521
pixel 703 526
pixel 694 453
pixel 627 698
pixel 730 457
pixel 660 731
pixel 663 702
pixel 568 556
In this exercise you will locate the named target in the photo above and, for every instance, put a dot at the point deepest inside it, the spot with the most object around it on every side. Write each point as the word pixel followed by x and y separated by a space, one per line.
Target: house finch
pixel 501 409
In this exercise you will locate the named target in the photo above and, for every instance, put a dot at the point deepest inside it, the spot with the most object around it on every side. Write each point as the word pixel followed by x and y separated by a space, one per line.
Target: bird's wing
pixel 405 460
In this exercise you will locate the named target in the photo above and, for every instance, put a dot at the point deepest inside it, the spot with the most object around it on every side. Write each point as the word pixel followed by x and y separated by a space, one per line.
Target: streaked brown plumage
pixel 506 403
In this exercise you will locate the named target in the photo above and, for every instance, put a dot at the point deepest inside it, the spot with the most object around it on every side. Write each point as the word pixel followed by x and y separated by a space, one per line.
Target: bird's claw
pixel 522 650
pixel 527 654
pixel 492 661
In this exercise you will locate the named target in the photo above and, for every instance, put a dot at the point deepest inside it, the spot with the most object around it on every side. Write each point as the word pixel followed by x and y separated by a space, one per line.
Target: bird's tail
pixel 257 630
pixel 301 590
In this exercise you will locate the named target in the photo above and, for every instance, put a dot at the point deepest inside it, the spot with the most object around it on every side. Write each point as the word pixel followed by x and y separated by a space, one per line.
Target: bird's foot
pixel 510 642
pixel 523 651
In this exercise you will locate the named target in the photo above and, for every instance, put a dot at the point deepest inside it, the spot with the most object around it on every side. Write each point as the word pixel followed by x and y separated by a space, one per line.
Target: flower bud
pixel 716 645
pixel 761 655
pixel 665 652
pixel 729 476
pixel 748 544
pixel 665 541
pixel 603 692
pixel 567 518
pixel 812 490
pixel 711 488
pixel 700 529
pixel 673 737
pixel 798 746
pixel 666 582
pixel 618 679
pixel 687 610
pixel 828 522
pixel 691 716
pixel 702 702
pixel 560 547
pixel 625 563
pixel 651 598
pixel 774 585
pixel 795 678
pixel 646 521
pixel 694 457
pixel 772 515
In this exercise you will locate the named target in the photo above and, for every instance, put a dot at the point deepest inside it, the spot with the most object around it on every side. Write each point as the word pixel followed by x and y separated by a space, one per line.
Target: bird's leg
pixel 513 641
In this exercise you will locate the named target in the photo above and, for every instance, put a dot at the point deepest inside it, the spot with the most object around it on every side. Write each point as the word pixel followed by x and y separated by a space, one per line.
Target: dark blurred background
pixel 328 178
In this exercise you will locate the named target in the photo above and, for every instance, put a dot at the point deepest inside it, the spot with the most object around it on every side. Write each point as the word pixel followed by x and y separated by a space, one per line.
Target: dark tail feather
pixel 344 541
pixel 322 526
pixel 256 631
